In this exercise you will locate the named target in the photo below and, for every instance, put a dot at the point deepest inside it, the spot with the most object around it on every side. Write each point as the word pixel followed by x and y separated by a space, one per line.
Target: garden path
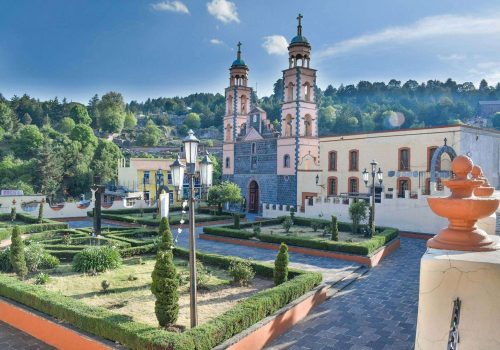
pixel 378 311
pixel 13 339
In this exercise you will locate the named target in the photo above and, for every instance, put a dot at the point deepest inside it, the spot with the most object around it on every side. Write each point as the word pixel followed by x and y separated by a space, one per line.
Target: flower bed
pixel 136 335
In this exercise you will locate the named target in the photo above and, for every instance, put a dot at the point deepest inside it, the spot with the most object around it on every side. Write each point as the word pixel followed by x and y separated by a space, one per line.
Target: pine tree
pixel 17 258
pixel 40 211
pixel 281 265
pixel 13 214
pixel 335 229
pixel 165 282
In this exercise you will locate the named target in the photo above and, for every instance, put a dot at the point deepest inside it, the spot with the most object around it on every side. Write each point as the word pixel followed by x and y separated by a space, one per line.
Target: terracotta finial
pixel 461 166
pixel 463 210
pixel 485 190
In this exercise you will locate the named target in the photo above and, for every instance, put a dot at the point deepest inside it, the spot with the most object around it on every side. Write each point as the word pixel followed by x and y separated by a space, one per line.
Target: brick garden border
pixel 370 261
pixel 46 330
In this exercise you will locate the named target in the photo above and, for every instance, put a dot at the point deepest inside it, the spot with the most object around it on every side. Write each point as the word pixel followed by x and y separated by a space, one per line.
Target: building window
pixel 146 195
pixel 254 163
pixel 307 92
pixel 430 153
pixel 332 161
pixel 404 159
pixel 290 91
pixel 255 118
pixel 146 178
pixel 254 148
pixel 286 161
pixel 169 177
pixel 404 184
pixel 308 125
pixel 332 186
pixel 228 162
pixel 353 185
pixel 353 160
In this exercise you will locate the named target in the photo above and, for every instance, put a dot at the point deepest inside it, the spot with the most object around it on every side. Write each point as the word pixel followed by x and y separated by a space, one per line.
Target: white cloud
pixel 450 26
pixel 453 57
pixel 172 6
pixel 275 45
pixel 216 41
pixel 224 10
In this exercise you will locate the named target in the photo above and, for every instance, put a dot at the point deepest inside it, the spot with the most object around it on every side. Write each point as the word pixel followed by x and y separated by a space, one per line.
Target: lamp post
pixel 379 175
pixel 159 185
pixel 206 172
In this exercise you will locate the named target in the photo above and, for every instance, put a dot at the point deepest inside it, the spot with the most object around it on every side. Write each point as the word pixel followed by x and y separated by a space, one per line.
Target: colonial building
pixel 266 164
pixel 294 166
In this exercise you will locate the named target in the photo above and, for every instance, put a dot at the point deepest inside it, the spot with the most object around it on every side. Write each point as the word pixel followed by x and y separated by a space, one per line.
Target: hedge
pixel 228 232
pixel 156 222
pixel 33 228
pixel 136 335
pixel 51 234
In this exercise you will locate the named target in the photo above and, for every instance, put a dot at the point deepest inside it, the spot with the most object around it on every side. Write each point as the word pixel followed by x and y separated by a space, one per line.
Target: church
pixel 265 163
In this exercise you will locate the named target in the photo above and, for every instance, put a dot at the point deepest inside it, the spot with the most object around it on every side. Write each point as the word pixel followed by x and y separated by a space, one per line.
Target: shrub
pixel 287 224
pixel 315 226
pixel 241 271
pixel 49 261
pixel 97 259
pixel 5 264
pixel 42 278
pixel 327 231
pixel 165 279
pixel 17 258
pixel 66 239
pixel 281 265
pixel 293 210
pixel 227 232
pixel 13 214
pixel 105 284
pixel 202 275
pixel 40 211
pixel 34 255
pixel 256 229
pixel 335 229
pixel 236 221
pixel 357 213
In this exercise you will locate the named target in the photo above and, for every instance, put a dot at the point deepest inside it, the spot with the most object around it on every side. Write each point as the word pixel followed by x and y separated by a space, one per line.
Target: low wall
pixel 30 205
pixel 406 214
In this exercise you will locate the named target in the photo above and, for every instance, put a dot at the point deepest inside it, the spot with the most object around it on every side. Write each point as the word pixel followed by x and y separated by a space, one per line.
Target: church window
pixel 286 161
pixel 228 162
pixel 307 92
pixel 353 185
pixel 255 118
pixel 332 186
pixel 254 148
pixel 430 154
pixel 254 163
pixel 288 125
pixel 228 132
pixel 308 125
pixel 290 91
pixel 243 99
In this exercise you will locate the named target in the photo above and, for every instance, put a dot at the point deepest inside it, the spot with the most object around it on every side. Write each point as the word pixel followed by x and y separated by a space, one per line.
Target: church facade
pixel 265 163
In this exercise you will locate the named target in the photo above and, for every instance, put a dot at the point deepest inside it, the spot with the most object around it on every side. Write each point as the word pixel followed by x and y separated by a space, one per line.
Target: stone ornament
pixel 470 200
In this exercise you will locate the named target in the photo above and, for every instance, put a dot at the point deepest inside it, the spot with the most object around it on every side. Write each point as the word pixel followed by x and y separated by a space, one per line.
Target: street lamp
pixel 191 150
pixel 177 170
pixel 159 185
pixel 206 172
pixel 380 178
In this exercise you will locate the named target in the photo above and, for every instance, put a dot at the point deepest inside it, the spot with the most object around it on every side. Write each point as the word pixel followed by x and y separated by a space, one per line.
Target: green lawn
pixel 129 292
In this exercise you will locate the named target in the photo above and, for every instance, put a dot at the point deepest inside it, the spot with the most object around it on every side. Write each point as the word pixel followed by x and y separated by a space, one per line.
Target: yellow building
pixel 150 176
pixel 404 157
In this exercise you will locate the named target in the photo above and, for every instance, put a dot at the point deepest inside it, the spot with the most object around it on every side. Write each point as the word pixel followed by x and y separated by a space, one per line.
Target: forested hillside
pixel 56 146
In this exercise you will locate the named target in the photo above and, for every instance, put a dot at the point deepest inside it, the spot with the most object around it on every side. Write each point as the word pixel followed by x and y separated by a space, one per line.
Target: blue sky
pixel 166 48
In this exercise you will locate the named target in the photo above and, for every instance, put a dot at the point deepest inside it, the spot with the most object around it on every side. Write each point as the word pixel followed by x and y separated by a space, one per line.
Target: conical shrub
pixel 281 265
pixel 17 258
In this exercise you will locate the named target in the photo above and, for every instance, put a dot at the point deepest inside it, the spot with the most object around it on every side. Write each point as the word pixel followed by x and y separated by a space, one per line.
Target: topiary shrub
pixel 281 265
pixel 34 254
pixel 236 221
pixel 97 259
pixel 287 224
pixel 241 271
pixel 165 279
pixel 335 229
pixel 17 258
pixel 13 214
pixel 40 211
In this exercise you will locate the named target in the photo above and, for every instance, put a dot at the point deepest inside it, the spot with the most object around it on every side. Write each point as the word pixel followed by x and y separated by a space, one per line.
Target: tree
pixel 85 135
pixel 67 125
pixel 280 272
pixel 150 135
pixel 130 121
pixel 105 162
pixel 111 112
pixel 192 121
pixel 48 170
pixel 93 109
pixel 27 141
pixel 17 258
pixel 217 166
pixel 6 117
pixel 165 281
pixel 79 114
pixel 496 120
pixel 357 213
pixel 225 192
pixel 335 229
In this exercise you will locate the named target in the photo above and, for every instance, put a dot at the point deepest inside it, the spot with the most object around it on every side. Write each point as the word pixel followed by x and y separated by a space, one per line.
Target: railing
pixel 454 337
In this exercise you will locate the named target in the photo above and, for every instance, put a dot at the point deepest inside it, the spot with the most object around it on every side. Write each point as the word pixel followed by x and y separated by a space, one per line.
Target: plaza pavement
pixel 14 339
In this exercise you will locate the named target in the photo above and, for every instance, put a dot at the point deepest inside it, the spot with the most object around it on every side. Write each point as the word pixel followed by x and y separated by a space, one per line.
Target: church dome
pixel 299 39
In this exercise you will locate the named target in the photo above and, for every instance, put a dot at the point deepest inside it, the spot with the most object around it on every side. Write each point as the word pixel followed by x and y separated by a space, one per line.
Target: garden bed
pixel 302 235
pixel 133 334
pixel 27 224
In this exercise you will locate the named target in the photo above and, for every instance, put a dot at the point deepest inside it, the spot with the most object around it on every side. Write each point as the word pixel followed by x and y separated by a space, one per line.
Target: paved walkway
pixel 14 339
pixel 378 311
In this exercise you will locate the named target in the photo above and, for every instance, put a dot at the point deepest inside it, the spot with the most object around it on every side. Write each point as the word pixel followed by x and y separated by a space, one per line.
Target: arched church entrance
pixel 253 197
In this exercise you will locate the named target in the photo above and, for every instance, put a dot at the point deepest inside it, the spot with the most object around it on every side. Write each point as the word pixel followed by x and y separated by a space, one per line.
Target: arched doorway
pixel 253 197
